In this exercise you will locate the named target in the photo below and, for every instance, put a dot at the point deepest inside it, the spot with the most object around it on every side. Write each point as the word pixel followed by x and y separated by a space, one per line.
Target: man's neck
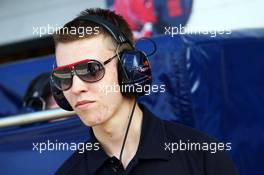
pixel 111 134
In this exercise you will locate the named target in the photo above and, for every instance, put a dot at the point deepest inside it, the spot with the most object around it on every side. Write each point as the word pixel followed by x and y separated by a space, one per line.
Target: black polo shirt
pixel 158 153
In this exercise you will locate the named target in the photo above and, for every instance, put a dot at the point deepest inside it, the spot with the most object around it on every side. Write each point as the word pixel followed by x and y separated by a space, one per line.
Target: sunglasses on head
pixel 87 70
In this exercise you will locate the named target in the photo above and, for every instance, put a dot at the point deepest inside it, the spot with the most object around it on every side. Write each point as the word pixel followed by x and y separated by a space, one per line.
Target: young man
pixel 85 64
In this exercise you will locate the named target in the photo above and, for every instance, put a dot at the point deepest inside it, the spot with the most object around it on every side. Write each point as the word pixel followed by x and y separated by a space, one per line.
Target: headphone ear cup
pixel 134 73
pixel 60 98
pixel 121 76
pixel 38 88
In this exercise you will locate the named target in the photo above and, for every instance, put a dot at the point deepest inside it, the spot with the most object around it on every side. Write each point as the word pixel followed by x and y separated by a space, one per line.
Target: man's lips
pixel 83 102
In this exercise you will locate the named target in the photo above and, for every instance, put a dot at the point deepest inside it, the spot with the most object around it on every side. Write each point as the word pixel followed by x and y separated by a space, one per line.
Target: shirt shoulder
pixel 176 131
pixel 209 153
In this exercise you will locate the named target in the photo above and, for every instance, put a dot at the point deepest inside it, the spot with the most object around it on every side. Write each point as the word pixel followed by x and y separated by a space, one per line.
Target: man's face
pixel 102 106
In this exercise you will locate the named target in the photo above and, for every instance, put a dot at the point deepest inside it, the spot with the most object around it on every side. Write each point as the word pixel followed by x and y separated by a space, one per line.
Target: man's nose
pixel 78 85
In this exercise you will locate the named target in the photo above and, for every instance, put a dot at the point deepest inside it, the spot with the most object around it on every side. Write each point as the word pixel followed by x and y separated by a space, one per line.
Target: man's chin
pixel 89 119
pixel 85 112
pixel 91 123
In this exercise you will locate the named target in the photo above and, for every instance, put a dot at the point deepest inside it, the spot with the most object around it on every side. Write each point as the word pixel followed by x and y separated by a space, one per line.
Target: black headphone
pixel 134 71
pixel 37 92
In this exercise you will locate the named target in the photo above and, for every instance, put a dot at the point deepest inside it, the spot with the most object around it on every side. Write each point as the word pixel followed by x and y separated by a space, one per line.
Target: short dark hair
pixel 117 20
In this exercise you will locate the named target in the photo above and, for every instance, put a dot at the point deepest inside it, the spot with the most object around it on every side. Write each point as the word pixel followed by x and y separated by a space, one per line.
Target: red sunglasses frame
pixel 71 66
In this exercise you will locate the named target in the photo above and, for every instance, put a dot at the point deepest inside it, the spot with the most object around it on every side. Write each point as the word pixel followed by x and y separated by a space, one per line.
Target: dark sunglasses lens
pixel 91 71
pixel 62 78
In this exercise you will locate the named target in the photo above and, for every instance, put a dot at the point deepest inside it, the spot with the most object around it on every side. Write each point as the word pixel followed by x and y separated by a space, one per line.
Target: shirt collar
pixel 151 144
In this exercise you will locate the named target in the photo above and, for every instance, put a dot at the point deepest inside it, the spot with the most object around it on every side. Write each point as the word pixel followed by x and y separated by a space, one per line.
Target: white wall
pixel 227 14
pixel 17 17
